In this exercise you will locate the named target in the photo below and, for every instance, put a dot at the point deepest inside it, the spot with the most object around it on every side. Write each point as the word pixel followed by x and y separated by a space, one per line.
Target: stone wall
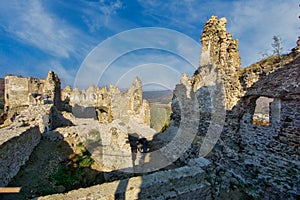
pixel 181 183
pixel 219 55
pixel 18 139
pixel 262 158
pixel 16 145
pixel 290 123
pixel 266 158
pixel 17 89
pixel 111 104
pixel 52 88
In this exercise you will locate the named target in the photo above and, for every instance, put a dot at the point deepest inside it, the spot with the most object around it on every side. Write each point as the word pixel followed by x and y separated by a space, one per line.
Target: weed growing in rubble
pixel 70 174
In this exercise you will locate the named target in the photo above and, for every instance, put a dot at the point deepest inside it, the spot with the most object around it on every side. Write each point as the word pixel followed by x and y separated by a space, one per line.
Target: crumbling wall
pixel 113 103
pixel 18 140
pixel 290 123
pixel 52 88
pixel 16 146
pixel 17 89
pixel 264 157
pixel 219 57
pixel 182 183
pixel 268 164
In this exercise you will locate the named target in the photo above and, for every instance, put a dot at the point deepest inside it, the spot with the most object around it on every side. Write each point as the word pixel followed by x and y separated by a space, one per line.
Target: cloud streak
pixel 32 24
pixel 56 35
pixel 100 15
pixel 116 55
pixel 255 23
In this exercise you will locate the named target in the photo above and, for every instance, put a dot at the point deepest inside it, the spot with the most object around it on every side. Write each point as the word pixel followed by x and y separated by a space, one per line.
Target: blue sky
pixel 59 35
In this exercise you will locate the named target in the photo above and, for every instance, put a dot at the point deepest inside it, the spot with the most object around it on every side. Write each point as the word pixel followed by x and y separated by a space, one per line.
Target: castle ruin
pixel 111 103
pixel 261 161
pixel 17 89
pixel 265 157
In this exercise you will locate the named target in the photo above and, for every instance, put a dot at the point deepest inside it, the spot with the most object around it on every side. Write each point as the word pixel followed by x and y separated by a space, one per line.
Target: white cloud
pixel 186 15
pixel 252 22
pixel 255 23
pixel 100 14
pixel 127 50
pixel 153 75
pixel 32 24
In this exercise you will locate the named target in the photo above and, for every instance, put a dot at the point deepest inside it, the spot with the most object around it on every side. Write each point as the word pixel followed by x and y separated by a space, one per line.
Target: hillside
pixel 163 96
pixel 160 108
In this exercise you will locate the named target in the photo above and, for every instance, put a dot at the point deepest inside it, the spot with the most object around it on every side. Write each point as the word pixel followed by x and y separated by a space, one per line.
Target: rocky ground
pixel 37 177
pixel 62 161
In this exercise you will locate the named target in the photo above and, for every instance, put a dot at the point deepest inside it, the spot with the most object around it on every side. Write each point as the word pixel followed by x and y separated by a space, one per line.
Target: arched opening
pixel 261 116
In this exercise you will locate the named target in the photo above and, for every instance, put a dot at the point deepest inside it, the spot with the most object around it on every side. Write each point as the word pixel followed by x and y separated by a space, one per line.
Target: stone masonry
pixel 16 145
pixel 112 104
pixel 265 157
pixel 260 161
pixel 17 89
pixel 182 183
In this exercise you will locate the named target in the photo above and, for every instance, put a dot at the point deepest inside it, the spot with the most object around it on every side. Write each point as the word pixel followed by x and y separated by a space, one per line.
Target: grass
pixel 85 161
pixel 66 177
pixel 166 125
pixel 70 175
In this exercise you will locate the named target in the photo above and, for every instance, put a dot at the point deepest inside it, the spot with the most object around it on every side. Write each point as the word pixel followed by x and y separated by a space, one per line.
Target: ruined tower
pixel 219 56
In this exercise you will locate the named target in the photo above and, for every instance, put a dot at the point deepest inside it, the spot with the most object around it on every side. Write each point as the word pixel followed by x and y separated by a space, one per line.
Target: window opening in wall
pixel 261 116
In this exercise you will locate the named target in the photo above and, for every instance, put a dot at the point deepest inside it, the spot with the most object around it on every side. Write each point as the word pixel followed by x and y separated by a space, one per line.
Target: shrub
pixel 65 177
pixel 71 175
pixel 85 161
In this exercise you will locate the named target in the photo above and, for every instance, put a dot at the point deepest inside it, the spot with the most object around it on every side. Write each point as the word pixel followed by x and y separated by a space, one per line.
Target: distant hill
pixel 162 96
pixel 160 108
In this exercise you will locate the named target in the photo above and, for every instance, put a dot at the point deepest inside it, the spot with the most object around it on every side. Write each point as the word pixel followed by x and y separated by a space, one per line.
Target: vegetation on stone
pixel 71 174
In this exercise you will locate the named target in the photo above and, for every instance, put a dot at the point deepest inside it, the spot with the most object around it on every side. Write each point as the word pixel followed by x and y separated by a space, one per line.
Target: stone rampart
pixel 16 145
pixel 181 183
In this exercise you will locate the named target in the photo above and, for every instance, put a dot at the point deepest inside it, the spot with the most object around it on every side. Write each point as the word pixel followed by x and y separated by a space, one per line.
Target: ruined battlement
pixel 251 150
pixel 17 89
pixel 111 103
